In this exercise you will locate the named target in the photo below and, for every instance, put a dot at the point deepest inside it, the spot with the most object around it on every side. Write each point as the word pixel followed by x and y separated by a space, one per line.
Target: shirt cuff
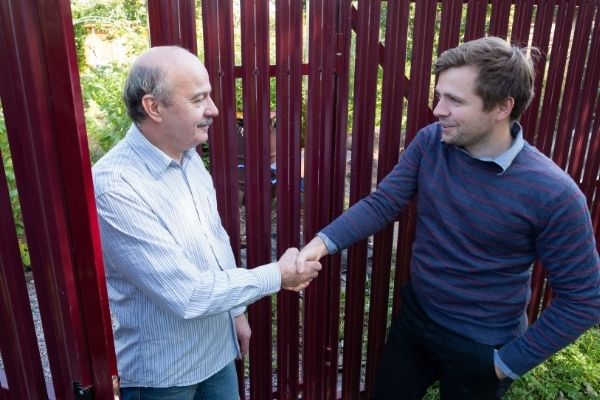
pixel 270 277
pixel 503 367
pixel 332 248
pixel 237 311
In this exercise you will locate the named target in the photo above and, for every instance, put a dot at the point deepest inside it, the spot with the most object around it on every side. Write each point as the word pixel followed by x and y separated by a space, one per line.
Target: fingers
pixel 313 251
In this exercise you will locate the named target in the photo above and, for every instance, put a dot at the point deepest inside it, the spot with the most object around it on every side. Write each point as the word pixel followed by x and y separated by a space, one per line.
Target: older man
pixel 488 205
pixel 175 293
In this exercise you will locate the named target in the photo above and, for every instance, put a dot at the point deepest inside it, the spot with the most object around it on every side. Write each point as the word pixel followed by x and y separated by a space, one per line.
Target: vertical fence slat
pixel 173 23
pixel 586 98
pixel 499 18
pixel 320 333
pixel 541 40
pixel 365 89
pixel 341 76
pixel 418 116
pixel 590 176
pixel 537 284
pixel 79 203
pixel 255 82
pixel 475 19
pixel 389 145
pixel 522 22
pixel 572 95
pixel 18 342
pixel 218 53
pixel 289 109
pixel 552 93
pixel 51 163
pixel 450 25
pixel 341 65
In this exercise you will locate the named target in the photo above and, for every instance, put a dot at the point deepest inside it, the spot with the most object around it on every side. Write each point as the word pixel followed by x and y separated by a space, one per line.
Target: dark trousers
pixel 419 352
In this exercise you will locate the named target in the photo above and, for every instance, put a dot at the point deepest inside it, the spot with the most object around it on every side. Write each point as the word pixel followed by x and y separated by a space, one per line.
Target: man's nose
pixel 212 109
pixel 440 109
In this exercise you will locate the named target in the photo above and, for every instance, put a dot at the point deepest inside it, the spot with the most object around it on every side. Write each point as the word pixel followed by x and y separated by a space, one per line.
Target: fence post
pixel 45 123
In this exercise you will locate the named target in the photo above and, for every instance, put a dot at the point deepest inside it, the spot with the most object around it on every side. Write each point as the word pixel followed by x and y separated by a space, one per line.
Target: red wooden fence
pixel 306 355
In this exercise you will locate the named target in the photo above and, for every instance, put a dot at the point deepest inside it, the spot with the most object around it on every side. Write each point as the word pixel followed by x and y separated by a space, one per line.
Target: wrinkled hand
pixel 293 278
pixel 242 328
pixel 313 251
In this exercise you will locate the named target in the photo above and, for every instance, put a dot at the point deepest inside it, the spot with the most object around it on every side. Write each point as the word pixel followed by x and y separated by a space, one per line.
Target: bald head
pixel 150 74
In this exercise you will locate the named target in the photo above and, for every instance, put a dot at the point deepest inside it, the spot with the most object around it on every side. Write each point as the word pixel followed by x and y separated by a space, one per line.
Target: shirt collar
pixel 155 159
pixel 505 160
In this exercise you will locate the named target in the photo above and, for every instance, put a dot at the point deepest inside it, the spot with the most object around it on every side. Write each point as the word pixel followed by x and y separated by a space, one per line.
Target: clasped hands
pixel 299 268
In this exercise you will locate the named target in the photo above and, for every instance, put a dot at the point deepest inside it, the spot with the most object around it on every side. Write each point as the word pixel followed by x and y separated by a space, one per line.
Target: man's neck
pixel 153 137
pixel 494 144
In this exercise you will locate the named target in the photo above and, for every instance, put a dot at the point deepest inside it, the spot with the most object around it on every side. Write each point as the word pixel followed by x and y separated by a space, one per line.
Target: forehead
pixel 458 80
pixel 189 76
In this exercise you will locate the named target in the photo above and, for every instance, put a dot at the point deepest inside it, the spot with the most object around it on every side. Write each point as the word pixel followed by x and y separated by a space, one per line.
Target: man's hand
pixel 242 328
pixel 313 251
pixel 293 278
pixel 499 372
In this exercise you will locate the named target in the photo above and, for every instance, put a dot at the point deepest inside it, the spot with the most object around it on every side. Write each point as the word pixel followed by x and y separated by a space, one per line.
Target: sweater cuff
pixel 503 367
pixel 332 248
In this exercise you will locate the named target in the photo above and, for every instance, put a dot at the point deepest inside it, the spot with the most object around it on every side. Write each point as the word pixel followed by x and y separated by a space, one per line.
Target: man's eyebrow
pixel 200 94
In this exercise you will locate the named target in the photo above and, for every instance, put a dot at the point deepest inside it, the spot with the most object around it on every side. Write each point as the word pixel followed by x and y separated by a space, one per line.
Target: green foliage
pixel 120 24
pixel 106 118
pixel 573 374
pixel 12 190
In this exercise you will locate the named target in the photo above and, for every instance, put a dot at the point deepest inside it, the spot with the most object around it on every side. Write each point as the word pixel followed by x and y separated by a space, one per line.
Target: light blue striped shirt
pixel 172 281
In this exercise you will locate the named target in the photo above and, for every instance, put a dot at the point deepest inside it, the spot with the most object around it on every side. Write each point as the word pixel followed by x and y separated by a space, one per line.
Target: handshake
pixel 298 268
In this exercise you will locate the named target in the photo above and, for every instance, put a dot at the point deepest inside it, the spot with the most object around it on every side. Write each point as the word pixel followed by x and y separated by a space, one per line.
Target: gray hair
pixel 143 80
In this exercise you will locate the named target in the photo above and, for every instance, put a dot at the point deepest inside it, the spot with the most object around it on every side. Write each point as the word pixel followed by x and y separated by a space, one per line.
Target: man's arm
pixel 378 209
pixel 139 249
pixel 567 250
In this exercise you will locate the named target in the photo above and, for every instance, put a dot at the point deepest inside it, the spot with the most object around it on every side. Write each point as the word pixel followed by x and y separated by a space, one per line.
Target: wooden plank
pixel 522 23
pixel 289 109
pixel 572 91
pixel 417 118
pixel 337 178
pixel 476 13
pixel 255 83
pixel 584 116
pixel 18 342
pixel 450 26
pixel 552 91
pixel 499 18
pixel 52 166
pixel 173 23
pixel 219 60
pixel 389 146
pixel 541 39
pixel 320 329
pixel 365 89
pixel 537 284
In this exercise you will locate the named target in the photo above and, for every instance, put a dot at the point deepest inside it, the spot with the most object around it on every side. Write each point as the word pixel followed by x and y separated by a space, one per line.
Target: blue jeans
pixel 221 386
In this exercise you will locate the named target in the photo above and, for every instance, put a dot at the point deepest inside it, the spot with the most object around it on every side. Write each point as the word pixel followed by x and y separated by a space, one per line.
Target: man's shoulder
pixel 113 169
pixel 538 169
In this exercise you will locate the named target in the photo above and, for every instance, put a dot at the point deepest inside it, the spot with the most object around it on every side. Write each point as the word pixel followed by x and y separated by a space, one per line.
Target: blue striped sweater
pixel 478 231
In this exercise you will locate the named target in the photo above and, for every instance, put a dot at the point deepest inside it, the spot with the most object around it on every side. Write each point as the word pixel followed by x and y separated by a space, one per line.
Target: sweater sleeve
pixel 567 249
pixel 393 193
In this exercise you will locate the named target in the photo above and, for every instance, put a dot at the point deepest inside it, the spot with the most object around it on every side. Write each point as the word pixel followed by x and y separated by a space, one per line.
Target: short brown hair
pixel 504 71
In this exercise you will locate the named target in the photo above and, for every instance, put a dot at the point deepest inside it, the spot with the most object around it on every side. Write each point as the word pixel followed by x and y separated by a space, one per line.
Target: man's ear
pixel 504 108
pixel 152 107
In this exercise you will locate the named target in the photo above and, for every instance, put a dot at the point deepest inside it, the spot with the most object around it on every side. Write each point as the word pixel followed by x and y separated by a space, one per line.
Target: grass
pixel 573 374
